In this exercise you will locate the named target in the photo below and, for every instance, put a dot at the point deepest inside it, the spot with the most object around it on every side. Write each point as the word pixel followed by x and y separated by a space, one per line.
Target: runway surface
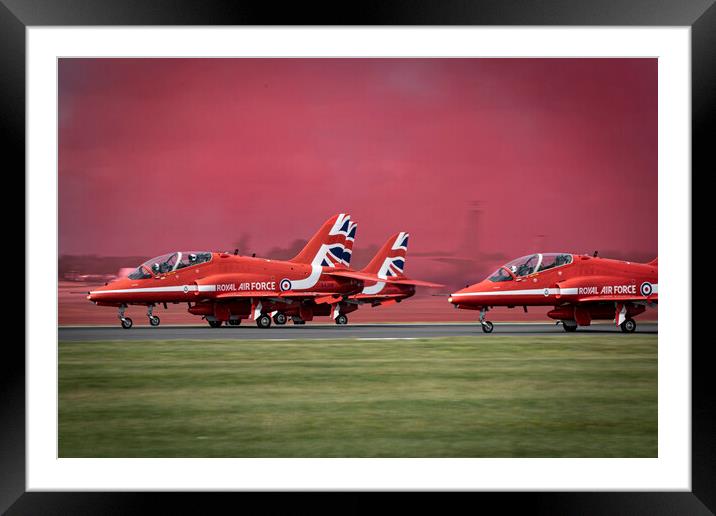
pixel 329 331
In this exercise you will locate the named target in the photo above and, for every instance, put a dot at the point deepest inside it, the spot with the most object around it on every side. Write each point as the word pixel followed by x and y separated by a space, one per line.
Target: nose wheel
pixel 341 319
pixel 487 326
pixel 125 321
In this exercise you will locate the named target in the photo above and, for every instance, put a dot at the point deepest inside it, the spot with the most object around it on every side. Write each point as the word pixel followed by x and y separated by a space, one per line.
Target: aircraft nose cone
pixel 453 298
pixel 93 295
pixel 96 293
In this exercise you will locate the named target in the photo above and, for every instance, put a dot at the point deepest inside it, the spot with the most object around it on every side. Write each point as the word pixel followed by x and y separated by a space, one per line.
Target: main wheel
pixel 264 321
pixel 569 327
pixel 154 320
pixel 628 326
pixel 341 319
pixel 126 323
pixel 234 322
pixel 280 318
pixel 487 327
pixel 215 324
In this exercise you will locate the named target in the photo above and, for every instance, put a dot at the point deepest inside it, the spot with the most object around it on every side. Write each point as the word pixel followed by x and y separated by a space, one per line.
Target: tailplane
pixel 327 247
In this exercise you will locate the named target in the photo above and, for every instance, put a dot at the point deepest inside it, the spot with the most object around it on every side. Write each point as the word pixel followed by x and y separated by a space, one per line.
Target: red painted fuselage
pixel 581 288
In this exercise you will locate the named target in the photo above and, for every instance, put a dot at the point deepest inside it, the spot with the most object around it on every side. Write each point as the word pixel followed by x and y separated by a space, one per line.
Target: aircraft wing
pixel 372 277
pixel 309 294
pixel 247 293
pixel 266 293
pixel 380 296
pixel 620 299
pixel 354 274
pixel 418 283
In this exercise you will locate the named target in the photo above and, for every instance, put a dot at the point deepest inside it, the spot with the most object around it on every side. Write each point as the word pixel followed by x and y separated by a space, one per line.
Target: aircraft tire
pixel 264 321
pixel 280 318
pixel 569 328
pixel 154 320
pixel 487 327
pixel 341 319
pixel 628 326
pixel 215 324
pixel 126 323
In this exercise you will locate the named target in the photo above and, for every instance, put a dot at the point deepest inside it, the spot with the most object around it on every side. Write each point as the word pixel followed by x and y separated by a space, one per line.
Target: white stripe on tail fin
pixel 327 247
pixel 389 261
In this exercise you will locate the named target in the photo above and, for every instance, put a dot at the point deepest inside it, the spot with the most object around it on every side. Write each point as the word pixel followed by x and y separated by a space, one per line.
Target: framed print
pixel 206 341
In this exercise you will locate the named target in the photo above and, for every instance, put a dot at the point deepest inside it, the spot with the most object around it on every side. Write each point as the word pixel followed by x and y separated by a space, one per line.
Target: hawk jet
pixel 581 288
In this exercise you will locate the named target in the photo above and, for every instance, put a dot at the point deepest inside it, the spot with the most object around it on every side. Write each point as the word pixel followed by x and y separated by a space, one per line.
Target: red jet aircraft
pixel 222 287
pixel 581 288
pixel 390 284
pixel 388 265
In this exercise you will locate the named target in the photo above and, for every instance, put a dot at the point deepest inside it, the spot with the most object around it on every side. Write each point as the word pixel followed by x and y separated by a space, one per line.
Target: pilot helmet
pixel 192 257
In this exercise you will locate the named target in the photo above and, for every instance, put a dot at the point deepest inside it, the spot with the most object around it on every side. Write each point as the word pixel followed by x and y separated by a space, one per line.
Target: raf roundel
pixel 646 289
pixel 285 285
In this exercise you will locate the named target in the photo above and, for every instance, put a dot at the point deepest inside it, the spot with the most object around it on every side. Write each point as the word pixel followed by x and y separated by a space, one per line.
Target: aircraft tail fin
pixel 389 261
pixel 327 247
pixel 350 240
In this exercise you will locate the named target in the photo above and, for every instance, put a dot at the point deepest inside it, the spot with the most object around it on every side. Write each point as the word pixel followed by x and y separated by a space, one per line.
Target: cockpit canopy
pixel 530 264
pixel 170 262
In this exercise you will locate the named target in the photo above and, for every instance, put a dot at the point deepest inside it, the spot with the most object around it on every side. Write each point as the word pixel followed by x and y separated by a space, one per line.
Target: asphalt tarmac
pixel 328 331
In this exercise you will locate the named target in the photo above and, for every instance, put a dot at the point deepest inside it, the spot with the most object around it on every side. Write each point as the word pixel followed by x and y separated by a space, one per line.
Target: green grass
pixel 496 396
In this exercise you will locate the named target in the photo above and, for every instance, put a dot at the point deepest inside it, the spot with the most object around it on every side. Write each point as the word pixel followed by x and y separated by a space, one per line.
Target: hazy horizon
pixel 157 155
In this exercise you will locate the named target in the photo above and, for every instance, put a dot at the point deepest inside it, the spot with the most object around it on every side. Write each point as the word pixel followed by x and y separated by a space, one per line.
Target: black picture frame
pixel 17 15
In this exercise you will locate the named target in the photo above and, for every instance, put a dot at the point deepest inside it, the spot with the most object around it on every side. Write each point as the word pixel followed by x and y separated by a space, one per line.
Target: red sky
pixel 165 154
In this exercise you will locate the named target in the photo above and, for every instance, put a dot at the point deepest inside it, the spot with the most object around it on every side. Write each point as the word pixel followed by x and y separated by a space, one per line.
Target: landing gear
pixel 264 321
pixel 214 324
pixel 280 318
pixel 153 319
pixel 569 326
pixel 628 326
pixel 487 326
pixel 341 319
pixel 126 321
pixel 234 322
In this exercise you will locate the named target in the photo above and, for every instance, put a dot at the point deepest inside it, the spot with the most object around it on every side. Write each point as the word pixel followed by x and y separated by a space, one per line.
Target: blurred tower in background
pixel 468 262
pixel 470 246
